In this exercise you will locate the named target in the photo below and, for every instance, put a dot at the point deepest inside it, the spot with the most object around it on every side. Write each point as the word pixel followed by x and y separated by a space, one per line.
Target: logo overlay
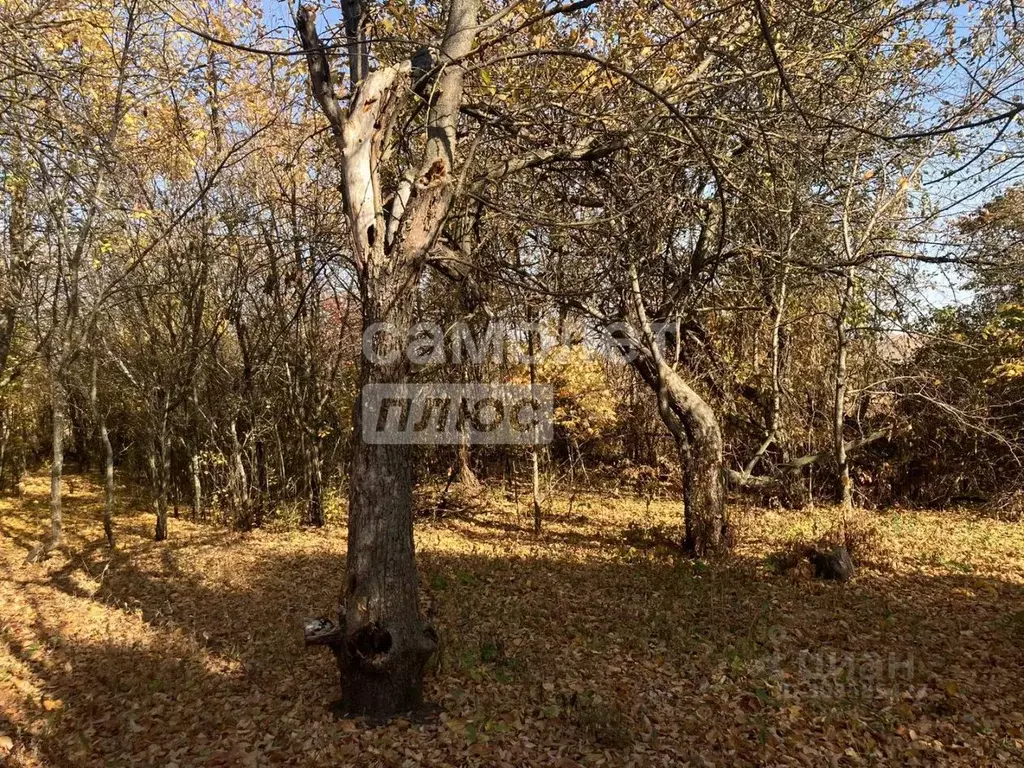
pixel 450 414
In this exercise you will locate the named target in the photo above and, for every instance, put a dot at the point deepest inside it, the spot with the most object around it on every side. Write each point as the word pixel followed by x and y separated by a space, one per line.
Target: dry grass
pixel 574 648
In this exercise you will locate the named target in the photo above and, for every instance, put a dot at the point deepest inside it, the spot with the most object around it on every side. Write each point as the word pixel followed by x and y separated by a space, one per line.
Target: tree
pixel 386 643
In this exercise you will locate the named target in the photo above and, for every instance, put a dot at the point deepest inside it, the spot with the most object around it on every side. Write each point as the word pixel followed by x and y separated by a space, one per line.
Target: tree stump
pixel 834 565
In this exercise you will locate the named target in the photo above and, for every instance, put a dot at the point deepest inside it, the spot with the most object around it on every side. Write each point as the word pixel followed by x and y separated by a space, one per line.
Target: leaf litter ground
pixel 581 647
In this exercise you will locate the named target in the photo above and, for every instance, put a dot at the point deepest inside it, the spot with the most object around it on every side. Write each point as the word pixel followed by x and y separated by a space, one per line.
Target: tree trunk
pixel 534 450
pixel 692 423
pixel 704 495
pixel 465 477
pixel 262 484
pixel 839 403
pixel 12 283
pixel 698 437
pixel 239 480
pixel 5 432
pixel 314 470
pixel 197 486
pixel 387 644
pixel 59 397
pixel 100 418
pixel 160 464
pixel 108 482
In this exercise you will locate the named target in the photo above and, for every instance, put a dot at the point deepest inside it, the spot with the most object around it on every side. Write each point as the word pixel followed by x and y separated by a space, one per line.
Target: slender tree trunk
pixel 282 469
pixel 108 482
pixel 100 418
pixel 464 474
pixel 12 282
pixel 465 477
pixel 692 423
pixel 704 494
pixel 161 467
pixel 197 486
pixel 5 432
pixel 262 484
pixel 315 504
pixel 839 403
pixel 534 449
pixel 59 397
pixel 239 479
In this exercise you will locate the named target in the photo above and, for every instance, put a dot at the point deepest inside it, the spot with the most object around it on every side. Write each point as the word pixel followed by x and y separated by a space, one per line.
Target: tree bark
pixel 387 644
pixel 197 486
pixel 12 283
pixel 108 482
pixel 314 470
pixel 239 481
pixel 695 428
pixel 534 451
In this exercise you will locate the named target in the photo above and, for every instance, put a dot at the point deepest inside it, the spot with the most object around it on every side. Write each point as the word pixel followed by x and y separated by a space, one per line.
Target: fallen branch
pixel 747 480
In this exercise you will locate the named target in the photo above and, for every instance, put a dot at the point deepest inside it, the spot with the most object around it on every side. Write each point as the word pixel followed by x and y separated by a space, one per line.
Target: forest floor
pixel 580 647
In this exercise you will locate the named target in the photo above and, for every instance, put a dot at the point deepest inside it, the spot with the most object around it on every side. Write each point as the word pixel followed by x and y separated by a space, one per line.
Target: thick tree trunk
pixel 386 642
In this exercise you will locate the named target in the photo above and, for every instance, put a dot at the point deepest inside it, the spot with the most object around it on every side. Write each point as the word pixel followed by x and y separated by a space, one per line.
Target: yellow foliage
pixel 584 401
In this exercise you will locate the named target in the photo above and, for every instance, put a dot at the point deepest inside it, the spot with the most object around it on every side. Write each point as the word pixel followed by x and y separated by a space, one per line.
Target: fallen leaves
pixel 51 705
pixel 575 648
